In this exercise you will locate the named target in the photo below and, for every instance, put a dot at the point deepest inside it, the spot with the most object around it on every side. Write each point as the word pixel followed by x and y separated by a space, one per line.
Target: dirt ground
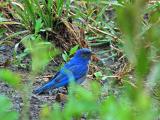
pixel 6 61
pixel 36 101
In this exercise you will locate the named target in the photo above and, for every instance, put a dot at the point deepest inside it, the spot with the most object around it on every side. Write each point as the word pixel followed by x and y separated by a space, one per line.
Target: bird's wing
pixel 63 76
pixel 78 71
pixel 60 74
pixel 51 84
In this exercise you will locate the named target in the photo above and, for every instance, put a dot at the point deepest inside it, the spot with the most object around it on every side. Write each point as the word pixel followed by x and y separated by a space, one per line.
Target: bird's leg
pixel 66 87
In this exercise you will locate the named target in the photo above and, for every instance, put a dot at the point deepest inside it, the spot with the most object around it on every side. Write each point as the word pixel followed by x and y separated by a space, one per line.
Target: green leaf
pixel 10 77
pixel 38 25
pixel 59 4
pixel 5 109
pixel 98 74
pixel 65 56
pixel 41 52
pixel 73 50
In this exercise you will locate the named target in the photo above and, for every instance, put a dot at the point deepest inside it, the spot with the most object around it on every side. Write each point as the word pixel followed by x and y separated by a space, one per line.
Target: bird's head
pixel 83 54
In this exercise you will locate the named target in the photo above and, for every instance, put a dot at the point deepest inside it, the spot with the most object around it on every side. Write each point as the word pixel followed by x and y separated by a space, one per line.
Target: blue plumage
pixel 76 69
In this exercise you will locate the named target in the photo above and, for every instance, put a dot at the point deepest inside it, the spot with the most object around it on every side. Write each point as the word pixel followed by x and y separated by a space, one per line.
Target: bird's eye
pixel 86 54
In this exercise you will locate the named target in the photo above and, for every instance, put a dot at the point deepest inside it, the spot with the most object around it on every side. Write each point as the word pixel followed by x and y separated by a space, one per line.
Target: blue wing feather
pixel 62 79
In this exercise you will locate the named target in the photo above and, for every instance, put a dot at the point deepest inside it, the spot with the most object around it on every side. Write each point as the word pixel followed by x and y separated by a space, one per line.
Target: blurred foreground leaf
pixel 10 77
pixel 6 112
pixel 42 52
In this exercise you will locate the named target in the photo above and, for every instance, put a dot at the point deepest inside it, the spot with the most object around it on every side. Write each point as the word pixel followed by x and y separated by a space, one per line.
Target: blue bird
pixel 76 69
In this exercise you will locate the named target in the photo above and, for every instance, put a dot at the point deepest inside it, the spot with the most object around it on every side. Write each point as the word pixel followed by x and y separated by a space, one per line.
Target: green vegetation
pixel 6 112
pixel 126 34
pixel 66 55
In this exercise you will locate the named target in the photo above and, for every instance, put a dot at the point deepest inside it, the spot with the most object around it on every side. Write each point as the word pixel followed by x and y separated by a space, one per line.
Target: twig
pixel 116 48
pixel 102 31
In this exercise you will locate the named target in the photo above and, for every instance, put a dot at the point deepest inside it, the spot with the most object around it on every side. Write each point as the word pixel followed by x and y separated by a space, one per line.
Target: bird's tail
pixel 44 88
pixel 39 90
